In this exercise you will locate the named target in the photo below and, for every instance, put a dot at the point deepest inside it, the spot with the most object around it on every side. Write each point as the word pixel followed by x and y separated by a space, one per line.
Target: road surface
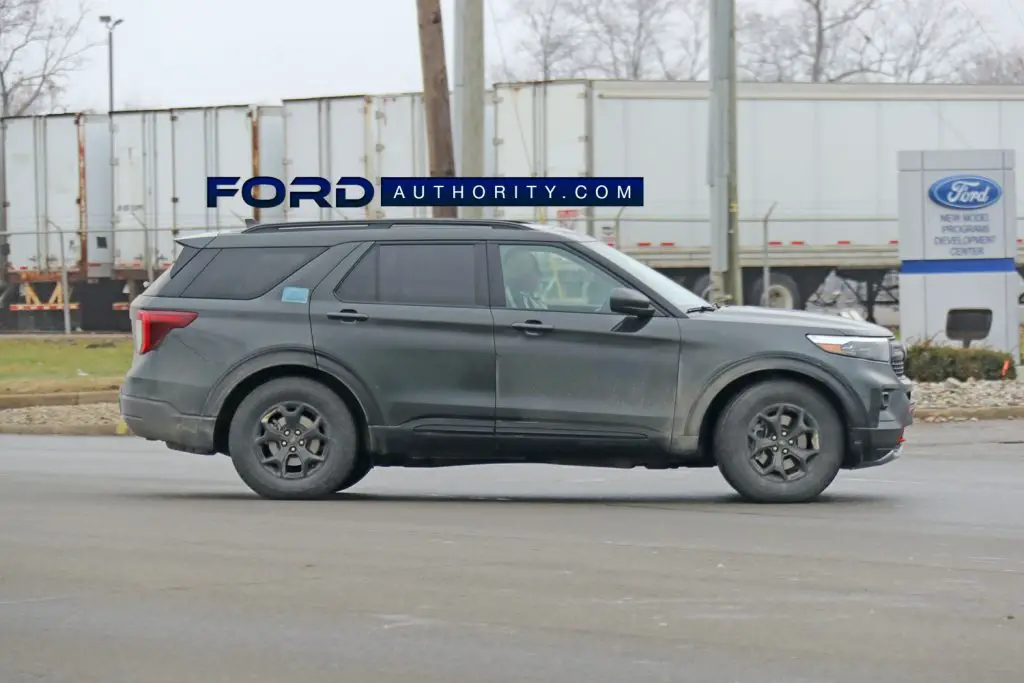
pixel 122 562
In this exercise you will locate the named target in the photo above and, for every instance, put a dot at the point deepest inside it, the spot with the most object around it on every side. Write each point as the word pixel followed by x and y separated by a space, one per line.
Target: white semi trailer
pixel 817 176
pixel 817 165
pixel 817 169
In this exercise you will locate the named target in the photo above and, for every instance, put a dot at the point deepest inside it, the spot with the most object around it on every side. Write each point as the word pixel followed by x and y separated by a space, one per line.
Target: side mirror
pixel 631 302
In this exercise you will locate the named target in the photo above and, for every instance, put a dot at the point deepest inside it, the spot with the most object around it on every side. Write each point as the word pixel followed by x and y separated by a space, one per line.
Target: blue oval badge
pixel 965 192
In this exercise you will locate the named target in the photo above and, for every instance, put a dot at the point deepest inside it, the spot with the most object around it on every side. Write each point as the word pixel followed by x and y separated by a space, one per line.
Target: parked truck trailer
pixel 56 212
pixel 817 169
pixel 817 177
pixel 368 135
pixel 121 194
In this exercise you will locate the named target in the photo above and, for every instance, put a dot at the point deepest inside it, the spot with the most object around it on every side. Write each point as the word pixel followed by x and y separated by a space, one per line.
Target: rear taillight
pixel 153 326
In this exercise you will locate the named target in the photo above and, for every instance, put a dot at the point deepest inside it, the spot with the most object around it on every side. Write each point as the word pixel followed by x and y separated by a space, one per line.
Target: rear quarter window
pixel 248 272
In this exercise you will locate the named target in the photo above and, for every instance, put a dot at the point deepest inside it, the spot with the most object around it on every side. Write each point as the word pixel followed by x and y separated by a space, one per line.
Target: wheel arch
pixel 240 381
pixel 730 383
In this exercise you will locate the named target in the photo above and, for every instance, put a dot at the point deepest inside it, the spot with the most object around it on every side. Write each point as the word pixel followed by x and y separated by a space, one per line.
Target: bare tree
pixel 552 43
pixel 683 53
pixel 921 41
pixel 833 41
pixel 809 40
pixel 993 67
pixel 818 41
pixel 39 50
pixel 631 39
pixel 624 36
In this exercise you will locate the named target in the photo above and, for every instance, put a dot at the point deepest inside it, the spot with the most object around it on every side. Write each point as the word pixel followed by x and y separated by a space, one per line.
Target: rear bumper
pixel 883 443
pixel 160 421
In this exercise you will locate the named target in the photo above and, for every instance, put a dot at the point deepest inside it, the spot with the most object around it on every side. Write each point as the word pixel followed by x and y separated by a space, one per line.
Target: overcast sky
pixel 205 52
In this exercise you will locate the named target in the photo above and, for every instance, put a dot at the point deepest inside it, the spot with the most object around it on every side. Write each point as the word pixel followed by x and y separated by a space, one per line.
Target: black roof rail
pixel 383 223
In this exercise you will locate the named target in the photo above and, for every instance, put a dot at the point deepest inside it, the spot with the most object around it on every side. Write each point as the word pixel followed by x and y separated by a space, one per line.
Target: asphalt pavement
pixel 123 562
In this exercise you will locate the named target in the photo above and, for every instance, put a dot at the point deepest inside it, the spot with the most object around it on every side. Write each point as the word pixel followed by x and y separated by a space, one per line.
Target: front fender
pixel 854 410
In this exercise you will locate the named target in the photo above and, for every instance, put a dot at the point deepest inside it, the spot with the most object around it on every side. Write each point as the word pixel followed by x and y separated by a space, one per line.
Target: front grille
pixel 897 357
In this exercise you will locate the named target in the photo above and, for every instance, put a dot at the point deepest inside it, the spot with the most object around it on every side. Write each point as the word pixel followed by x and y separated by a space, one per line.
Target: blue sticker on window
pixel 295 295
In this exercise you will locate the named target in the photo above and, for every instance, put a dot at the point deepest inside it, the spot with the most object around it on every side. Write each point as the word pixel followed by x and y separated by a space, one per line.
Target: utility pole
pixel 468 121
pixel 435 96
pixel 726 277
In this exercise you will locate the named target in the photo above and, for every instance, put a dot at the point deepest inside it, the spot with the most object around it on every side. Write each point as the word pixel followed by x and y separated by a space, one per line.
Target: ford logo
pixel 965 192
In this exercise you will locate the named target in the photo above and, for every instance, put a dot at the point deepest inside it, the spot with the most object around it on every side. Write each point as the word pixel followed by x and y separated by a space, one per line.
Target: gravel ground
pixel 94 414
pixel 948 394
pixel 970 394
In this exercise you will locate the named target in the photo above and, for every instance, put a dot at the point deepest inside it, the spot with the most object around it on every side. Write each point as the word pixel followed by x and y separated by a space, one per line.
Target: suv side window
pixel 248 272
pixel 552 278
pixel 414 274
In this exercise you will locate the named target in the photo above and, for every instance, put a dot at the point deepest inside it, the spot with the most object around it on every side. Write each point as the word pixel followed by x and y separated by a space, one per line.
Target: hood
pixel 812 322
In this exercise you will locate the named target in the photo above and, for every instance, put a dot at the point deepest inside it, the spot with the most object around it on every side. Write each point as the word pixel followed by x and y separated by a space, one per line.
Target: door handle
pixel 533 327
pixel 348 315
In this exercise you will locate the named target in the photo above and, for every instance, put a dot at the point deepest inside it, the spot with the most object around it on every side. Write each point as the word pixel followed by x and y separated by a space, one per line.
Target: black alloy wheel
pixel 291 440
pixel 783 440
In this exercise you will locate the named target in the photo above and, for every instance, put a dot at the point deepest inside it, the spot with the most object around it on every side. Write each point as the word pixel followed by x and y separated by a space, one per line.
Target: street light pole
pixel 111 23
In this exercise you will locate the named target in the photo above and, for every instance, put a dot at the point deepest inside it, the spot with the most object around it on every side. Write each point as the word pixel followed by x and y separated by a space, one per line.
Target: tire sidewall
pixel 356 474
pixel 732 453
pixel 342 455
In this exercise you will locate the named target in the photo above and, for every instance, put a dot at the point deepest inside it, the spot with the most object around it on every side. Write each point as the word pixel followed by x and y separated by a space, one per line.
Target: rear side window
pixel 414 274
pixel 183 258
pixel 248 272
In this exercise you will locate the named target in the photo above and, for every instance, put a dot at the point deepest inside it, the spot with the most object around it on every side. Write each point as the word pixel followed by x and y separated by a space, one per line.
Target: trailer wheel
pixel 702 287
pixel 783 292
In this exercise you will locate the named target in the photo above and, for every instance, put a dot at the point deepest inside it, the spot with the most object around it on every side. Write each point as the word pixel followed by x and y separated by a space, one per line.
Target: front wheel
pixel 357 474
pixel 294 439
pixel 779 442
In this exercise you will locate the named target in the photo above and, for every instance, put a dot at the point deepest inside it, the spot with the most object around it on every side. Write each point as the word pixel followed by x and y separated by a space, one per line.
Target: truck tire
pixel 779 441
pixel 294 439
pixel 783 292
pixel 702 287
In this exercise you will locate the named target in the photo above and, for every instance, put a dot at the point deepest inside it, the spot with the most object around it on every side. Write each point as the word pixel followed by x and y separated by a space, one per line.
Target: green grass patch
pixel 54 364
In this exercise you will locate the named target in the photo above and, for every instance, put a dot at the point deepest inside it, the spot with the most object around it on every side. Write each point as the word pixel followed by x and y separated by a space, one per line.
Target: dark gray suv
pixel 312 353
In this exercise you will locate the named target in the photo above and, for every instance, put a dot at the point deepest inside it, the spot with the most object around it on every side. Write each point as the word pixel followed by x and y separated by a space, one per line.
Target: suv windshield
pixel 675 293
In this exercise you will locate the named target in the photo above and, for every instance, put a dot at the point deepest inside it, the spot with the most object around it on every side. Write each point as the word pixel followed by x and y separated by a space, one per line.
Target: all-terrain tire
pixel 358 473
pixel 342 440
pixel 733 455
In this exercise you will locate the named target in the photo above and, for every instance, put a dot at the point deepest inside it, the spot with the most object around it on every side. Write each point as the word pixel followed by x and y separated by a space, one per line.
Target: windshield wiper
pixel 702 309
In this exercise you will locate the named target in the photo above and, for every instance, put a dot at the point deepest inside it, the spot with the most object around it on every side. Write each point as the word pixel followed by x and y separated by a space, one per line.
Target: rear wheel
pixel 294 438
pixel 779 442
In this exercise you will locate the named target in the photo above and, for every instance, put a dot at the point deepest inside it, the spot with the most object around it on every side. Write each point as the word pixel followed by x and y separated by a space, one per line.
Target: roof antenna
pixel 250 222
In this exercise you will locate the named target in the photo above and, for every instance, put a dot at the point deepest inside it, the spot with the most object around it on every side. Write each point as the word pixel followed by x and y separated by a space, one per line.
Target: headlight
pixel 867 348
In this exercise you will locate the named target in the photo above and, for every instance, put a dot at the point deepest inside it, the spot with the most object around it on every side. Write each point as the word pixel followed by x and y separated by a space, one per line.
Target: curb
pixel 80 398
pixel 1004 413
pixel 119 429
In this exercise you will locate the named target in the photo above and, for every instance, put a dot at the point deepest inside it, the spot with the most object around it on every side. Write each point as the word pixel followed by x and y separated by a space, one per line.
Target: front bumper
pixel 160 421
pixel 883 443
